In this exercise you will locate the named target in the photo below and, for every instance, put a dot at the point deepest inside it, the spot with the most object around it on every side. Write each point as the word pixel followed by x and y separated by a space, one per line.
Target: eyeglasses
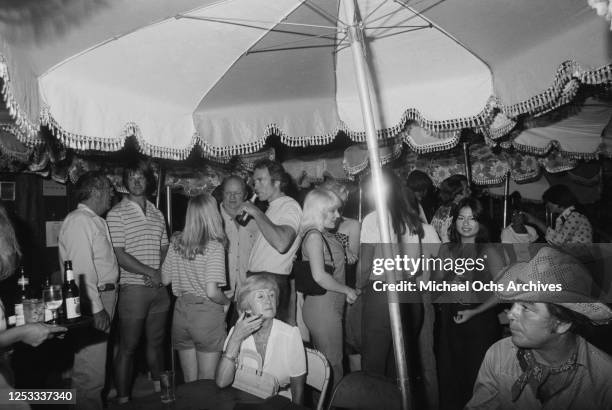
pixel 233 194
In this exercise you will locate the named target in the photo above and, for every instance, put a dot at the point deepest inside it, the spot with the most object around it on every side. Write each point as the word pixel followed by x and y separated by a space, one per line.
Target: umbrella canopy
pixel 226 74
pixel 585 134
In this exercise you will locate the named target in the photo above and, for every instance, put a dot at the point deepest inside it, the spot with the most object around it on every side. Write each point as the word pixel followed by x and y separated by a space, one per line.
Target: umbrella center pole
pixel 356 38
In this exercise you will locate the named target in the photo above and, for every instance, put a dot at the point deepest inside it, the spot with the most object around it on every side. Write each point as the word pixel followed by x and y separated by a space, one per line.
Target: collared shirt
pixel 591 387
pixel 282 211
pixel 570 227
pixel 285 354
pixel 141 235
pixel 241 240
pixel 192 275
pixel 84 239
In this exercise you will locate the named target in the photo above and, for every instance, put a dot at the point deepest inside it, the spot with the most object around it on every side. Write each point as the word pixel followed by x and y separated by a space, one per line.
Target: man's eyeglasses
pixel 233 194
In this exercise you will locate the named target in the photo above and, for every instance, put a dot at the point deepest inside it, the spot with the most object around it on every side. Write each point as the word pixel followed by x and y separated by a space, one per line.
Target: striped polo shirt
pixel 192 275
pixel 141 235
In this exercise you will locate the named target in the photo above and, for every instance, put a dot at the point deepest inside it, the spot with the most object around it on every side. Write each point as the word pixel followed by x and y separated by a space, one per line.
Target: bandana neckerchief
pixel 545 381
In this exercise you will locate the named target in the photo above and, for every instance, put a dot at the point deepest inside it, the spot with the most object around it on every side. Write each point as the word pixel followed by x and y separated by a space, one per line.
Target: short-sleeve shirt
pixel 192 275
pixel 370 233
pixel 285 355
pixel 570 227
pixel 590 389
pixel 141 235
pixel 264 258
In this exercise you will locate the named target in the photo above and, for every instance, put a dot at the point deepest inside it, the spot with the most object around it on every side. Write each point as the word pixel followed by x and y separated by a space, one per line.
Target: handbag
pixel 254 381
pixel 304 282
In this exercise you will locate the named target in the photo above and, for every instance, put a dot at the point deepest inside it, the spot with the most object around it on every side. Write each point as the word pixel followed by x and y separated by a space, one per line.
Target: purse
pixel 304 282
pixel 254 381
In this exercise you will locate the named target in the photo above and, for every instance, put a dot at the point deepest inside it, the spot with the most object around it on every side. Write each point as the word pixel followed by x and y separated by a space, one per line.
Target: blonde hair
pixel 203 223
pixel 253 283
pixel 336 187
pixel 317 203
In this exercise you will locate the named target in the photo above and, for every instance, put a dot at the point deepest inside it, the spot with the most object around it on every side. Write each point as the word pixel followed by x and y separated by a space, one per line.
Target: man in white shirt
pixel 84 239
pixel 276 243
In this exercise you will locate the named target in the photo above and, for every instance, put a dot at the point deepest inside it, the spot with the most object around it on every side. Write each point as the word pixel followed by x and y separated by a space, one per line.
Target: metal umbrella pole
pixel 506 199
pixel 355 34
pixel 468 165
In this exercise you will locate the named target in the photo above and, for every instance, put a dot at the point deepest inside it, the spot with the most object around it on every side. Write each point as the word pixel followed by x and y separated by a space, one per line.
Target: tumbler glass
pixel 166 381
pixel 34 310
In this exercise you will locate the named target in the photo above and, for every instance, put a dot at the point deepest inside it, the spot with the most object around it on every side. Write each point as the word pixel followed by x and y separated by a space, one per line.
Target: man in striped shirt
pixel 138 233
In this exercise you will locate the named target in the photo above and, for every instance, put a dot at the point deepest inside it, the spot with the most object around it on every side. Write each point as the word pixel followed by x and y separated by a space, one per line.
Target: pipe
pixel 506 199
pixel 355 34
pixel 468 165
pixel 360 202
pixel 160 178
pixel 169 208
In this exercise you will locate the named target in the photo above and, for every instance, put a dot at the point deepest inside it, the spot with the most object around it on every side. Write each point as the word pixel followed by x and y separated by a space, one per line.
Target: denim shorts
pixel 198 323
pixel 138 301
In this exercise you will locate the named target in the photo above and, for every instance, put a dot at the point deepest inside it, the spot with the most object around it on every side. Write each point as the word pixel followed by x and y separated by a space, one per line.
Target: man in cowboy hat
pixel 545 363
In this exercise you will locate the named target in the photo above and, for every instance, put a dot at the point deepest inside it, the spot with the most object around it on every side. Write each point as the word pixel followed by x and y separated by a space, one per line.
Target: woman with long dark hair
pixel 411 235
pixel 463 342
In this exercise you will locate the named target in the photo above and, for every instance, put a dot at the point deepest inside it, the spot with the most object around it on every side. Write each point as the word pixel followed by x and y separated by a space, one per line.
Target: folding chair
pixel 359 390
pixel 318 373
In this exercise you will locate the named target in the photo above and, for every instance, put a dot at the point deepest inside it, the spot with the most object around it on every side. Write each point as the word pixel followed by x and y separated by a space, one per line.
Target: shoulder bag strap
pixel 331 255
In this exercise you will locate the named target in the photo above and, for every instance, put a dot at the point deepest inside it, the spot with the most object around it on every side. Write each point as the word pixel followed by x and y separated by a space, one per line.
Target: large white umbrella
pixel 225 74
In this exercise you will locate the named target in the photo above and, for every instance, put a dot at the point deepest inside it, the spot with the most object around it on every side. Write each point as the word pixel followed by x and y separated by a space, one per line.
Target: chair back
pixel 363 391
pixel 318 373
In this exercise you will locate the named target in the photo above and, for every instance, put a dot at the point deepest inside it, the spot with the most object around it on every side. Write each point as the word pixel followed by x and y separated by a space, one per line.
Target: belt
pixel 107 287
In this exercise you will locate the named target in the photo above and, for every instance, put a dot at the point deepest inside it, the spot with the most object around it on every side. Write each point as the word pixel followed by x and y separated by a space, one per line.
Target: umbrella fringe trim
pixel 452 142
pixel 28 131
pixel 555 145
pixel 353 170
pixel 568 78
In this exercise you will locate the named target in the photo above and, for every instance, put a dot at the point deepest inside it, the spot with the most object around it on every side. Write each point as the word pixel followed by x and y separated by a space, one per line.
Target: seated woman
pixel 278 345
pixel 195 265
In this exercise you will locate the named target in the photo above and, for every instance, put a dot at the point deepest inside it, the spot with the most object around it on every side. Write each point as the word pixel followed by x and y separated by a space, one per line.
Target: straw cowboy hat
pixel 535 281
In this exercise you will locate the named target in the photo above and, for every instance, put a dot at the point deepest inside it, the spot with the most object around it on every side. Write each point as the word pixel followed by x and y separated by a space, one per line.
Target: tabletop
pixel 199 395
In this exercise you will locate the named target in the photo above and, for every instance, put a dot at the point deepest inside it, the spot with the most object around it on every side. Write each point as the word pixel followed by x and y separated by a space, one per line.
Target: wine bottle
pixel 22 294
pixel 244 218
pixel 72 299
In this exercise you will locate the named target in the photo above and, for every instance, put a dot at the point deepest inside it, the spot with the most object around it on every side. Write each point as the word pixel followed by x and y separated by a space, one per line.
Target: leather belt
pixel 107 287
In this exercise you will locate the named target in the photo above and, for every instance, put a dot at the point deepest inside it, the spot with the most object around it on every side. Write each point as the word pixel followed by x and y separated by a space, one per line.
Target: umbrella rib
pixel 408 26
pixel 276 46
pixel 395 34
pixel 245 21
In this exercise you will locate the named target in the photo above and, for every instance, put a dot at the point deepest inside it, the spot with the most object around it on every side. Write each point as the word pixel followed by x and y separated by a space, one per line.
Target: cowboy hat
pixel 554 277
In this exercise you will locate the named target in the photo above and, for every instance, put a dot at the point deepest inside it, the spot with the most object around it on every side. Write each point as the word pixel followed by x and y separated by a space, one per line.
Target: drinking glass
pixel 52 296
pixel 33 310
pixel 166 381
